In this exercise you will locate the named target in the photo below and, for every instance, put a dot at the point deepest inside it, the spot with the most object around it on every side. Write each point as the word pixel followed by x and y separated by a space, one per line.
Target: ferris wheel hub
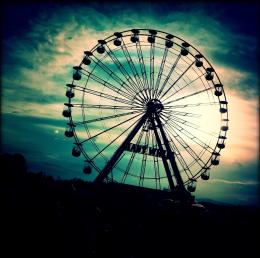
pixel 154 106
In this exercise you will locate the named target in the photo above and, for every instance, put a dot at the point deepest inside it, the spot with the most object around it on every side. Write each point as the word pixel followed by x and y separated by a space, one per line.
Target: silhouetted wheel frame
pixel 109 94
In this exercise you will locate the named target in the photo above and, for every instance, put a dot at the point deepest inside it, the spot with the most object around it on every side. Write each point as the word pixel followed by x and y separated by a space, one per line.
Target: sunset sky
pixel 41 43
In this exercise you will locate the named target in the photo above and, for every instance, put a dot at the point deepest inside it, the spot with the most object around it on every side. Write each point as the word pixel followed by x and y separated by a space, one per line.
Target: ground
pixel 41 216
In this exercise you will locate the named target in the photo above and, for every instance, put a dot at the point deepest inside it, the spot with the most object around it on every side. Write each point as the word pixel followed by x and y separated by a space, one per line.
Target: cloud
pixel 57 40
pixel 222 181
pixel 243 136
pixel 237 184
pixel 32 109
pixel 242 82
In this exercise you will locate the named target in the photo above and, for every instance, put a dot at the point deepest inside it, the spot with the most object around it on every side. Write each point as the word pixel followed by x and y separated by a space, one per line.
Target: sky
pixel 42 42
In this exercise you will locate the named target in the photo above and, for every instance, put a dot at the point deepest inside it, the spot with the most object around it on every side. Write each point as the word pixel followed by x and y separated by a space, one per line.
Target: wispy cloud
pixel 222 181
pixel 243 144
pixel 57 41
pixel 34 109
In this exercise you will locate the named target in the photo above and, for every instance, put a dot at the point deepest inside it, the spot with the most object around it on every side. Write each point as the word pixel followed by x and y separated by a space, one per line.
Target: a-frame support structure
pixel 154 107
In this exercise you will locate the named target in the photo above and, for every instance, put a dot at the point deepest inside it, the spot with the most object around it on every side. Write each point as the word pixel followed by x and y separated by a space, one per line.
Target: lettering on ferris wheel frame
pixel 142 149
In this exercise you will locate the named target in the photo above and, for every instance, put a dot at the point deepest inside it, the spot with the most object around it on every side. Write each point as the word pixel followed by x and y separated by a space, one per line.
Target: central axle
pixel 154 106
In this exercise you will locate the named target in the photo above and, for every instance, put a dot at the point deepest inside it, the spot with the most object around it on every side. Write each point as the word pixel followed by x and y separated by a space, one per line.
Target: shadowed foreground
pixel 41 216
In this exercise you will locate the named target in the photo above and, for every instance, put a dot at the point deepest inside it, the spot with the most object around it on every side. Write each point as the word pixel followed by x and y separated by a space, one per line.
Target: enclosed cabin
pixel 218 89
pixel 118 40
pixel 209 74
pixel 169 42
pixel 205 174
pixel 69 132
pixel 101 48
pixel 191 187
pixel 221 141
pixel 70 93
pixel 76 73
pixel 223 106
pixel 87 168
pixel 199 61
pixel 135 36
pixel 151 37
pixel 87 58
pixel 67 110
pixel 185 48
pixel 215 158
pixel 224 127
pixel 76 151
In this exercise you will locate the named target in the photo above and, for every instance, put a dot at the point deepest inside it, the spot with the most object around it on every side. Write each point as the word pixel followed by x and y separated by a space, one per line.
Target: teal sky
pixel 41 43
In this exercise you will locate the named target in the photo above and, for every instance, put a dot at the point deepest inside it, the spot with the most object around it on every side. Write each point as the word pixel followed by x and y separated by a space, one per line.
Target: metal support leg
pixel 170 153
pixel 107 169
pixel 164 159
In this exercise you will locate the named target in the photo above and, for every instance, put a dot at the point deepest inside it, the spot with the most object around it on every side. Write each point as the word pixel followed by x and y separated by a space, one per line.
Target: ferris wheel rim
pixel 111 38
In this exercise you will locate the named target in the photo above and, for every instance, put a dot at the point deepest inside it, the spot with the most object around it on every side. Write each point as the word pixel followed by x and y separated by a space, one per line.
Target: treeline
pixel 41 216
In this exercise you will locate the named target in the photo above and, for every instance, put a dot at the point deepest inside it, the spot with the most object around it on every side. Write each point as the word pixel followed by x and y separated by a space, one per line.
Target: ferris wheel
pixel 146 108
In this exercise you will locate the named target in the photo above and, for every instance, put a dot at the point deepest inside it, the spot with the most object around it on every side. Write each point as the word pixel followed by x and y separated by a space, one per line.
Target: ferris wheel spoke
pixel 161 149
pixel 152 69
pixel 169 75
pixel 128 167
pixel 115 77
pixel 122 70
pixel 122 156
pixel 190 95
pixel 111 179
pixel 144 159
pixel 191 136
pixel 197 128
pixel 187 148
pixel 178 113
pixel 169 116
pixel 178 155
pixel 108 85
pixel 190 105
pixel 180 76
pixel 109 144
pixel 108 129
pixel 106 118
pixel 185 132
pixel 156 164
pixel 108 107
pixel 187 84
pixel 132 157
pixel 181 121
pixel 158 80
pixel 191 151
pixel 100 94
pixel 132 66
pixel 142 65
